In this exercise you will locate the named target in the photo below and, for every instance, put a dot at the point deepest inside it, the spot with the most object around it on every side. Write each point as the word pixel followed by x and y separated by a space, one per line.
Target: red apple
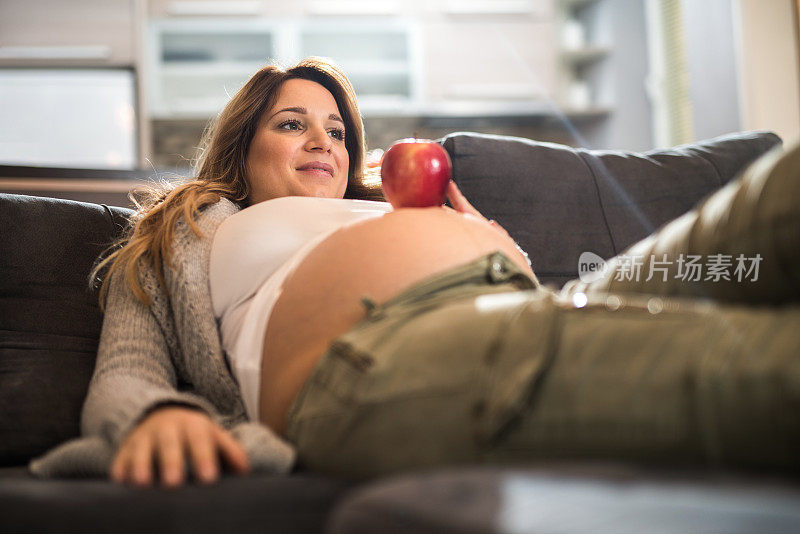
pixel 415 173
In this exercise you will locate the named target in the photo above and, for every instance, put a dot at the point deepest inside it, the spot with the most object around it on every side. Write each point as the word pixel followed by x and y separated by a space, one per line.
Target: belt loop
pixel 371 307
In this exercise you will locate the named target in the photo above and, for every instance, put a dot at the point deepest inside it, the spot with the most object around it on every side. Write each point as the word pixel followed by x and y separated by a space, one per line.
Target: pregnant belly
pixel 380 257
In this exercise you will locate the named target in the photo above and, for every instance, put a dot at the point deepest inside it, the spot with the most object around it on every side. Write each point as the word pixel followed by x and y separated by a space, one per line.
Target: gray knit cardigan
pixel 167 352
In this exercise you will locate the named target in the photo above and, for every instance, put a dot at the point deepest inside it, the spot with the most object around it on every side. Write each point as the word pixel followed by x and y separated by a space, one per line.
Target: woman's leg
pixel 742 244
pixel 526 376
pixel 658 380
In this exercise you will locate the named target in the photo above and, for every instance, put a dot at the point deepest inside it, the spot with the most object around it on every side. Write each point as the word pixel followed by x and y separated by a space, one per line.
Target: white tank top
pixel 252 253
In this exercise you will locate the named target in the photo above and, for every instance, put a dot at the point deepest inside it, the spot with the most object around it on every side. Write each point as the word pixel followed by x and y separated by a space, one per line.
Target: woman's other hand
pixel 170 437
pixel 462 205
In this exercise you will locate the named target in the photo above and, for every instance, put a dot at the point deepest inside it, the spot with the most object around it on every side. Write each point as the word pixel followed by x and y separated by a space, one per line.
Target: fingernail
pixel 171 477
pixel 141 480
pixel 208 474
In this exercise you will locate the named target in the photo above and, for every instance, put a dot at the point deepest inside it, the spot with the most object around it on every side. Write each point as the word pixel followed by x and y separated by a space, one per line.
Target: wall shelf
pixel 578 85
pixel 590 113
pixel 584 56
pixel 574 5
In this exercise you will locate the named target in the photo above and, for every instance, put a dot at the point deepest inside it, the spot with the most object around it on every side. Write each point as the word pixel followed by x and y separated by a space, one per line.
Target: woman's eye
pixel 337 133
pixel 291 124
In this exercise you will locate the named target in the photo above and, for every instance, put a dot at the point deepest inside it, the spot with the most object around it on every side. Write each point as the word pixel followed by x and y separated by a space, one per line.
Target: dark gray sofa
pixel 557 202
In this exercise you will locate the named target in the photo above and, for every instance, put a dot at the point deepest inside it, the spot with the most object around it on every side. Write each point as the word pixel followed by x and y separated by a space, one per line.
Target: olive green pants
pixel 477 364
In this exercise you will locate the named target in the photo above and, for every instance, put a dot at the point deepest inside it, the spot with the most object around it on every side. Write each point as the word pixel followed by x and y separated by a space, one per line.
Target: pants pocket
pixel 522 353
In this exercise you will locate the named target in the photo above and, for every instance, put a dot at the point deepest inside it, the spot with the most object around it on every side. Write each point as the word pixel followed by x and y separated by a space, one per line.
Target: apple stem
pixel 415 136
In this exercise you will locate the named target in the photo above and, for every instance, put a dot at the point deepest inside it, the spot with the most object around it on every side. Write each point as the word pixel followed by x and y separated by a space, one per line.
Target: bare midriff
pixel 379 258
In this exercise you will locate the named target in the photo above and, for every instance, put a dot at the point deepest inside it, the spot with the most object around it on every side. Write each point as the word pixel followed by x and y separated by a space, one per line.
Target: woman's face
pixel 298 148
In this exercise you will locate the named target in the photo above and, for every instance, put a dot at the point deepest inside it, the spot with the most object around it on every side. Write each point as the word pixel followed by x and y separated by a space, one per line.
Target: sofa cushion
pixel 569 498
pixel 253 504
pixel 49 319
pixel 557 201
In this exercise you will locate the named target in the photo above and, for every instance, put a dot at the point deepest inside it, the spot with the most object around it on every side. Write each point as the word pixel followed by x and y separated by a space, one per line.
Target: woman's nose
pixel 318 139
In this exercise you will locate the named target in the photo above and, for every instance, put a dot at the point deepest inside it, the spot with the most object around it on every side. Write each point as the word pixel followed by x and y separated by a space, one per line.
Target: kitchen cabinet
pixel 195 65
pixel 278 8
pixel 381 58
pixel 436 57
pixel 68 117
pixel 60 33
pixel 490 64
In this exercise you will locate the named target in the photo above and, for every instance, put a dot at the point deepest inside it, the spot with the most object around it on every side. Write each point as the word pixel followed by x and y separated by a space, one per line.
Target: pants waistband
pixel 490 270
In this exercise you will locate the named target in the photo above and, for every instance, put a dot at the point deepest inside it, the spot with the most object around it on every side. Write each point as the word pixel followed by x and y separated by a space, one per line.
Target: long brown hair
pixel 221 171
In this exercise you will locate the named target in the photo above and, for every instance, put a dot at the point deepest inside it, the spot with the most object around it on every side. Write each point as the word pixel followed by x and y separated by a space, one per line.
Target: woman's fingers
pixel 171 456
pixel 141 462
pixel 459 201
pixel 232 451
pixel 166 438
pixel 496 226
pixel 120 466
pixel 462 205
pixel 203 452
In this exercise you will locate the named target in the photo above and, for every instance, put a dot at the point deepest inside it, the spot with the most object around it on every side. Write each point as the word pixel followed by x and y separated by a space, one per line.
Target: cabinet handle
pixel 228 7
pixel 495 91
pixel 353 7
pixel 488 7
pixel 55 52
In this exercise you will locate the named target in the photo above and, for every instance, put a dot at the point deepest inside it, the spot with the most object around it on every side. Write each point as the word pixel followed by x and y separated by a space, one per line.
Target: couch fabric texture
pixel 49 318
pixel 554 200
pixel 558 202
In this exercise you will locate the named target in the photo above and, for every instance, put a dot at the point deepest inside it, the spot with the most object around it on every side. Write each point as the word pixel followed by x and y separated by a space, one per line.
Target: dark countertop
pixel 25 171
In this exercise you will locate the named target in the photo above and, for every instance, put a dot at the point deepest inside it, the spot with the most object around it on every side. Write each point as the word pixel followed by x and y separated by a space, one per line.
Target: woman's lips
pixel 317 167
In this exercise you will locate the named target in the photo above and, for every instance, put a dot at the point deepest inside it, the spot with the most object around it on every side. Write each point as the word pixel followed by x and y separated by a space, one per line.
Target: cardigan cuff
pixel 113 410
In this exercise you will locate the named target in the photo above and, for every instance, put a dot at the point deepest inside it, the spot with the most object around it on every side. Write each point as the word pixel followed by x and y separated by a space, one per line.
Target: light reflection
pixel 498 301
pixel 545 503
pixel 125 117
pixel 580 300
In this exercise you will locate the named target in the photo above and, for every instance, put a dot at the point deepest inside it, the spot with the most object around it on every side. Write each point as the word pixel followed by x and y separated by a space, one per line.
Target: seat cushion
pixel 558 202
pixel 258 503
pixel 49 318
pixel 577 498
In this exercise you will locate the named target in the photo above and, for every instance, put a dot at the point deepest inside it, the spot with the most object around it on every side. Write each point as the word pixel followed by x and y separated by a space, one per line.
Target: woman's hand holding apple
pixel 416 173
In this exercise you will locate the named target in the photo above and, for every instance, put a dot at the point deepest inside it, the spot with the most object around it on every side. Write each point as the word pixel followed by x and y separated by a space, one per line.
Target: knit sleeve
pixel 134 372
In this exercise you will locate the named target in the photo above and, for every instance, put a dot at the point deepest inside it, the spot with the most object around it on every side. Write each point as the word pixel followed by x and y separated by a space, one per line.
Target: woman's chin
pixel 324 193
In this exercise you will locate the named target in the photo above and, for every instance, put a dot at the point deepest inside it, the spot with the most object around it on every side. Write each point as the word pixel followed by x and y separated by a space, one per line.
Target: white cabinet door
pixel 476 60
pixel 66 32
pixel 67 118
pixel 195 65
pixel 380 58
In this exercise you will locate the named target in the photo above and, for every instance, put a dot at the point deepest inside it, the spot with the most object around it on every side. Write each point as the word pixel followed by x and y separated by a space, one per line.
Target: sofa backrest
pixel 557 201
pixel 49 318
